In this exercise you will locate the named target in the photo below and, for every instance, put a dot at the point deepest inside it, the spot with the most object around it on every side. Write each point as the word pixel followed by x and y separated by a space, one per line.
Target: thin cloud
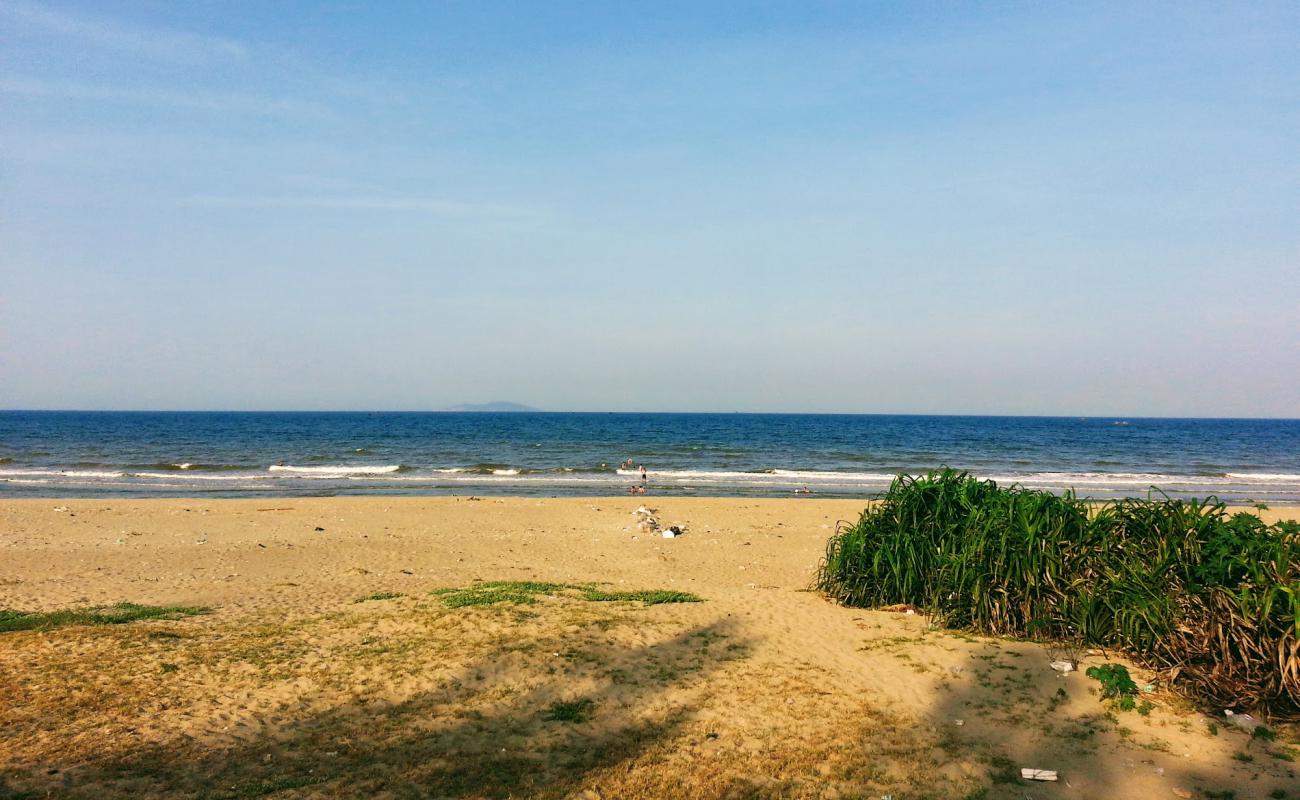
pixel 159 44
pixel 223 102
pixel 363 203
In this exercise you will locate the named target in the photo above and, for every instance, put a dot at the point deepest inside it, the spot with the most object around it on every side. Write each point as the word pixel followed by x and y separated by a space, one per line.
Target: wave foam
pixel 172 476
pixel 61 473
pixel 337 469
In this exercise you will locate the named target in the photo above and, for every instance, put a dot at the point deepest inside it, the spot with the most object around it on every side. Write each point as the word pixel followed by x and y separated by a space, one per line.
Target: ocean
pixel 223 454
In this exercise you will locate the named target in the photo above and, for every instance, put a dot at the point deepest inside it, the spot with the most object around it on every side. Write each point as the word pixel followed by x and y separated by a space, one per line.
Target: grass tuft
pixel 490 593
pixel 526 593
pixel 379 596
pixel 570 711
pixel 275 785
pixel 652 597
pixel 118 614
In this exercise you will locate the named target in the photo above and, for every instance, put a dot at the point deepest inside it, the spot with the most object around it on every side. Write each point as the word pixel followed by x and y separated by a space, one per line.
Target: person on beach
pixel 643 475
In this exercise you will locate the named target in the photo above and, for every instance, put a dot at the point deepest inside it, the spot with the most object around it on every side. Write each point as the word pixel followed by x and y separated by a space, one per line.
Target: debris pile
pixel 647 519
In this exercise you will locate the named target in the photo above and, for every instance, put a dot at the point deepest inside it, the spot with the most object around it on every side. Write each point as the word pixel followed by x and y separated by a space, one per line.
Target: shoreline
pixel 564 483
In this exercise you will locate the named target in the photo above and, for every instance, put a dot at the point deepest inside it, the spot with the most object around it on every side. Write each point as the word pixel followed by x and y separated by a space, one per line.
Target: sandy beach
pixel 296 685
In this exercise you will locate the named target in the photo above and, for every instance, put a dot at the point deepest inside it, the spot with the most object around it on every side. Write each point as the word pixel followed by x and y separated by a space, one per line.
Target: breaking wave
pixel 338 469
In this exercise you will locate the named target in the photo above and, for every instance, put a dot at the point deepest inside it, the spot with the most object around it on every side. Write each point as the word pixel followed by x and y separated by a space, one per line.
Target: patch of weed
pixel 96 615
pixel 570 711
pixel 1004 770
pixel 526 592
pixel 263 788
pixel 1116 685
pixel 379 596
pixel 651 597
pixel 492 592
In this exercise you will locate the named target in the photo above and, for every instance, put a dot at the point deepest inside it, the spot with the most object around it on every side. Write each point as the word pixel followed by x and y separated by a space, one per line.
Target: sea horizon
pixel 982 415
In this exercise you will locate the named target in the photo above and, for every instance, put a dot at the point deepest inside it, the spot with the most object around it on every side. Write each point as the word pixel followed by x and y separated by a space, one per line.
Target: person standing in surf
pixel 643 475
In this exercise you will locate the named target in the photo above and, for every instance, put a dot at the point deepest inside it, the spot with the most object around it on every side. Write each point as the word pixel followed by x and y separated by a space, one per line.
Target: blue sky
pixel 1039 208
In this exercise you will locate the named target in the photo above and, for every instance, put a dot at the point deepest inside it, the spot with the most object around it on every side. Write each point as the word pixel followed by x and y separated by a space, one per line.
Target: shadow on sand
pixel 1016 712
pixel 430 745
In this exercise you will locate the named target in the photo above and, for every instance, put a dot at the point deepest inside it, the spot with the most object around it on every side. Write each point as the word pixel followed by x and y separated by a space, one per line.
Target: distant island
pixel 500 405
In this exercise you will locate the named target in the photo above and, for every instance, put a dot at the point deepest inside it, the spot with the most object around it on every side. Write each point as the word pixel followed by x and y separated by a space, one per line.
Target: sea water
pixel 100 454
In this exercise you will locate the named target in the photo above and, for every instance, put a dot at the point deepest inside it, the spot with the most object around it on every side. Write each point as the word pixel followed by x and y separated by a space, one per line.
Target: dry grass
pixel 409 696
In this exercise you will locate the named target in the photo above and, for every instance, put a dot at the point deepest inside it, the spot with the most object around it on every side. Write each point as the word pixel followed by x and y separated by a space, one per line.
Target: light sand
pixel 291 689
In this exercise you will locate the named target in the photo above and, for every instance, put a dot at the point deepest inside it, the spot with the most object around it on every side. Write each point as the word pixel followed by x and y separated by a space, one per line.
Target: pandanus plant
pixel 1209 597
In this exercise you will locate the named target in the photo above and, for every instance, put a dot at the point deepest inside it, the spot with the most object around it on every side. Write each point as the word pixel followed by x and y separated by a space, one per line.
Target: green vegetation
pixel 1178 585
pixel 97 615
pixel 264 788
pixel 379 596
pixel 493 592
pixel 570 711
pixel 652 597
pixel 1116 684
pixel 526 593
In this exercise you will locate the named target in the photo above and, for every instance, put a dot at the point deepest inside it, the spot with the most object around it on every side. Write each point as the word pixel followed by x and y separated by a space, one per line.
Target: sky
pixel 983 208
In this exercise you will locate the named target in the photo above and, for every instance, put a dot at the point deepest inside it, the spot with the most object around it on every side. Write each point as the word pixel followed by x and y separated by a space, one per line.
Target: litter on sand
pixel 647 520
pixel 1038 774
pixel 1244 721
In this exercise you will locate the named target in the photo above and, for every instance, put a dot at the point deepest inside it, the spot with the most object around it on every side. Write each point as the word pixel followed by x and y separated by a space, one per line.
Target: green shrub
pixel 1180 585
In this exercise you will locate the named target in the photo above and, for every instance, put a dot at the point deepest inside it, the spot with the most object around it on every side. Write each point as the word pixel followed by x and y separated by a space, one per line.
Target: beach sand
pixel 289 687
